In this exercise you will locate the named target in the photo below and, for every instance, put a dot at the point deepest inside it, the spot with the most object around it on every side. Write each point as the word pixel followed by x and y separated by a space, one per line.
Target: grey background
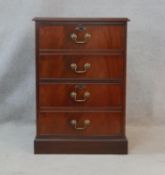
pixel 146 50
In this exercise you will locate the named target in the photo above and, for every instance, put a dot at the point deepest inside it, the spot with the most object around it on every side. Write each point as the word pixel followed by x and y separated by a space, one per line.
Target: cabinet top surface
pixel 50 19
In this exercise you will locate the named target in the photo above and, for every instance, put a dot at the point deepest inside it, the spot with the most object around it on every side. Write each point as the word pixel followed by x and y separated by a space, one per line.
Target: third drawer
pixel 80 94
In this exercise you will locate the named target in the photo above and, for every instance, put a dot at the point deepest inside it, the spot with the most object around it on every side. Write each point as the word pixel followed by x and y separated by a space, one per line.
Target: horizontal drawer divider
pixel 80 109
pixel 70 136
pixel 79 81
pixel 79 138
pixel 79 52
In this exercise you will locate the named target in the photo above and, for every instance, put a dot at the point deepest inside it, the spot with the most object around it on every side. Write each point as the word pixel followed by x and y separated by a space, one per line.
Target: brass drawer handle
pixel 74 96
pixel 74 37
pixel 86 67
pixel 86 124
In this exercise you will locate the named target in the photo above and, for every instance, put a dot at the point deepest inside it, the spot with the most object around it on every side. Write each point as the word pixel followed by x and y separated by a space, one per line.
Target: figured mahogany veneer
pixel 80 85
pixel 102 37
pixel 58 123
pixel 102 67
pixel 101 95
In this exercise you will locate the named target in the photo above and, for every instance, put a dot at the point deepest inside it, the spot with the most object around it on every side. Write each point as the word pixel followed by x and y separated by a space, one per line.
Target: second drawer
pixel 74 66
pixel 91 95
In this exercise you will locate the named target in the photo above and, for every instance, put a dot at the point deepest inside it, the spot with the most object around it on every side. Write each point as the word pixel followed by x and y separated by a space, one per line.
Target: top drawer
pixel 77 36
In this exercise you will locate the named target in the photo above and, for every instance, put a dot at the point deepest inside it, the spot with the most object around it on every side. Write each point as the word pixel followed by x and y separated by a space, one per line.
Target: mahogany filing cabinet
pixel 81 85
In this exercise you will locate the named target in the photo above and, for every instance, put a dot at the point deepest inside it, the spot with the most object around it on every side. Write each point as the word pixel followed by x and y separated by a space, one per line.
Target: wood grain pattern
pixel 102 124
pixel 102 37
pixel 102 95
pixel 102 67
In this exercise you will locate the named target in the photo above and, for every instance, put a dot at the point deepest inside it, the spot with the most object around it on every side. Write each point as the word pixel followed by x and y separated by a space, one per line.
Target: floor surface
pixel 146 155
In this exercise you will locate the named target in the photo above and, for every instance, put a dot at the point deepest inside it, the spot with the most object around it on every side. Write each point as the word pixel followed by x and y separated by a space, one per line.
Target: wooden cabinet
pixel 81 85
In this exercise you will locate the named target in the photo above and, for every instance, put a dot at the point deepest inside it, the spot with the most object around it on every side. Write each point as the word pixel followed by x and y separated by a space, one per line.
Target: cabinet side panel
pixel 125 81
pixel 37 75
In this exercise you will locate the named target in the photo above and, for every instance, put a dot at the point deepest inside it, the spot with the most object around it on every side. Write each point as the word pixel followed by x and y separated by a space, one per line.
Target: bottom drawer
pixel 80 123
